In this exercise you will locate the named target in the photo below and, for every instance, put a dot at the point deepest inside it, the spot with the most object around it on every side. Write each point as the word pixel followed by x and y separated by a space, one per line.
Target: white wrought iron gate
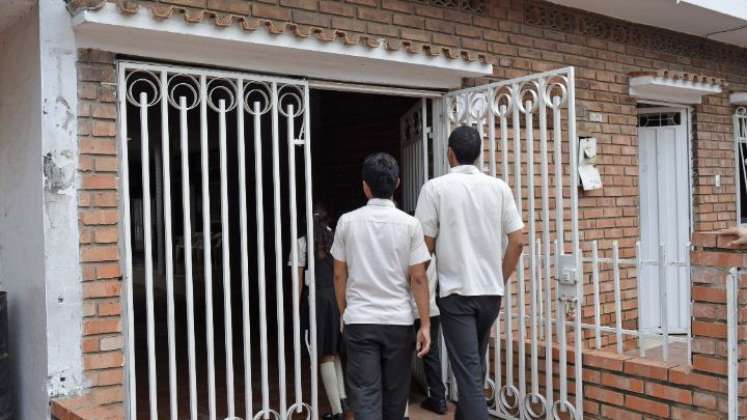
pixel 216 113
pixel 505 113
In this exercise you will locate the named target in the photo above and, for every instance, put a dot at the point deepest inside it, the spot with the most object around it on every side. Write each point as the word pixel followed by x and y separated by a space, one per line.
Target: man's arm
pixel 341 283
pixel 513 253
pixel 419 287
pixel 430 242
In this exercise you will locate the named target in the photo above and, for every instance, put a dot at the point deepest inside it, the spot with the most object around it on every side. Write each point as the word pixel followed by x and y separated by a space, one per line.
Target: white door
pixel 665 217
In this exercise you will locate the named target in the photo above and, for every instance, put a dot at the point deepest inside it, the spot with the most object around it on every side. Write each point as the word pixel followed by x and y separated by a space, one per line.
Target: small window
pixel 660 119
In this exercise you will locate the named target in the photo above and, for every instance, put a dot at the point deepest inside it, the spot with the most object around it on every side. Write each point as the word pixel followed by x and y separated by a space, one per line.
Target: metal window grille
pixel 740 155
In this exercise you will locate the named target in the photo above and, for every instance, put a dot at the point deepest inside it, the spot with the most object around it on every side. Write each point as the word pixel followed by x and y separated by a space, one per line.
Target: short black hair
pixel 465 142
pixel 381 172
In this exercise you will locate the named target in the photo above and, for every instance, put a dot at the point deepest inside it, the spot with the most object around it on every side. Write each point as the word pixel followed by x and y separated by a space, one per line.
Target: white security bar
pixel 218 95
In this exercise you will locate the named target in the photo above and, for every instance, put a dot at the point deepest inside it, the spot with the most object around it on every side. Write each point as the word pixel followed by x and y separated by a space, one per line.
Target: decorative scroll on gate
pixel 223 111
pixel 509 110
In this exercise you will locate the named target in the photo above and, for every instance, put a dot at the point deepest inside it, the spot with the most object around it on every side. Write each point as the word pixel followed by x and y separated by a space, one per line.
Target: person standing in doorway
pixel 380 261
pixel 436 399
pixel 465 216
pixel 329 339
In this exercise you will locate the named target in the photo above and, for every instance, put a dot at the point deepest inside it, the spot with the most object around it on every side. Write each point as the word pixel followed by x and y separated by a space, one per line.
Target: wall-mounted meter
pixel 588 173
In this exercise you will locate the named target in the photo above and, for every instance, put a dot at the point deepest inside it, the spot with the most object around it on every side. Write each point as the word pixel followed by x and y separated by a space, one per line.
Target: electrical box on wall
pixel 588 173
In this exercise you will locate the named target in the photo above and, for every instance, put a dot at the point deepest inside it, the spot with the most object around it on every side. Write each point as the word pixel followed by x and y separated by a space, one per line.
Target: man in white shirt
pixel 380 261
pixel 465 215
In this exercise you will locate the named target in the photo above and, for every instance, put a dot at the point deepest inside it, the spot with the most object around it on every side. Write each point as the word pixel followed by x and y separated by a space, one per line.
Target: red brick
pixel 622 382
pixel 374 15
pixel 101 326
pixel 99 289
pixel 604 360
pixel 603 395
pixel 682 413
pixel 709 364
pixel 99 253
pixel 708 294
pixel 99 182
pixel 106 235
pixel 271 12
pixel 671 393
pixel 108 270
pixel 647 369
pixel 709 329
pixel 336 8
pixel 646 406
pixel 99 217
pixel 616 413
pixel 109 309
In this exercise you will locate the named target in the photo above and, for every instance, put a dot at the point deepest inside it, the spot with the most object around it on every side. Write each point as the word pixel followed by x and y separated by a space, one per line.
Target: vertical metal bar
pixel 481 131
pixel 617 292
pixel 575 238
pixel 540 291
pixel 558 161
pixel 732 321
pixel 595 281
pixel 545 181
pixel 226 257
pixel 424 125
pixel 491 135
pixel 124 166
pixel 311 262
pixel 243 233
pixel 168 246
pixel 147 236
pixel 532 246
pixel 291 130
pixel 187 228
pixel 262 280
pixel 207 245
pixel 664 304
pixel 520 271
pixel 504 144
pixel 562 342
pixel 498 371
pixel 641 344
pixel 278 248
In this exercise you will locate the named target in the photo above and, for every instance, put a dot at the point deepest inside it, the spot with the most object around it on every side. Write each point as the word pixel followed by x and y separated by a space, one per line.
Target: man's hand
pixel 423 343
pixel 737 233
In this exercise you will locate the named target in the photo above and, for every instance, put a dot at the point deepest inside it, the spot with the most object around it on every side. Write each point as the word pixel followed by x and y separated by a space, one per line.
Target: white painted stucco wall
pixel 59 154
pixel 39 238
pixel 21 204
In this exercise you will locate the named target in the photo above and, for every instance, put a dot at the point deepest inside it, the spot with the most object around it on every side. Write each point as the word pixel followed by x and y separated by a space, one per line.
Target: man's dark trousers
pixel 378 369
pixel 467 321
pixel 432 362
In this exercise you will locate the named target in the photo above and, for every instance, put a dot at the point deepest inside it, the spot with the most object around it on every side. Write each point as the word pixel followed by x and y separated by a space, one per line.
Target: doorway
pixel 217 177
pixel 664 162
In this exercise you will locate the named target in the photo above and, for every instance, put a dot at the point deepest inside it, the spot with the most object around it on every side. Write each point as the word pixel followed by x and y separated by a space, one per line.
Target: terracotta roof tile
pixel 249 24
pixel 681 75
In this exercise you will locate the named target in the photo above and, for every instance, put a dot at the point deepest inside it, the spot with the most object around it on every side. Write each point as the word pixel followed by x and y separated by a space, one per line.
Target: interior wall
pixel 21 228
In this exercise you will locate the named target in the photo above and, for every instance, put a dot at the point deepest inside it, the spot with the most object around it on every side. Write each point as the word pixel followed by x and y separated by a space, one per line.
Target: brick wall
pixel 99 230
pixel 523 37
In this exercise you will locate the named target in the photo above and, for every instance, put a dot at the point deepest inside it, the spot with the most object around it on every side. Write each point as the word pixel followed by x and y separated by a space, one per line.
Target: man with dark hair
pixel 465 216
pixel 377 248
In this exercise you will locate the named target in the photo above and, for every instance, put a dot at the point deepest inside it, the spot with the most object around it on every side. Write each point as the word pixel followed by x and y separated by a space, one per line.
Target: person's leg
pixel 364 371
pixel 329 379
pixel 340 378
pixel 398 346
pixel 489 307
pixel 459 322
pixel 432 363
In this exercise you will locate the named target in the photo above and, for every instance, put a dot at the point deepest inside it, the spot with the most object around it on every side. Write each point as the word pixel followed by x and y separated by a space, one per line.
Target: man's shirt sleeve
pixel 510 217
pixel 301 253
pixel 418 250
pixel 338 245
pixel 426 211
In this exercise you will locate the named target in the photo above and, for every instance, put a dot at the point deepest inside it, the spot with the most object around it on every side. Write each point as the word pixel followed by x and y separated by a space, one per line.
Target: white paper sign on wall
pixel 587 171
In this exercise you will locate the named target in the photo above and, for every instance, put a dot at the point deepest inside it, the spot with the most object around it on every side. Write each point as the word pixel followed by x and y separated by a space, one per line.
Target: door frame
pixel 686 112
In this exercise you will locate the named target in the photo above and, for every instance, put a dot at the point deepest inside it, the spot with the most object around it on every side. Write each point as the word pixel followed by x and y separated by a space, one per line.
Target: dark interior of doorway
pixel 345 128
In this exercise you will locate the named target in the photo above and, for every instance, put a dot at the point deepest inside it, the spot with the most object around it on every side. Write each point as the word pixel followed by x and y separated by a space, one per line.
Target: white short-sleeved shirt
pixel 468 213
pixel 432 281
pixel 379 243
pixel 301 257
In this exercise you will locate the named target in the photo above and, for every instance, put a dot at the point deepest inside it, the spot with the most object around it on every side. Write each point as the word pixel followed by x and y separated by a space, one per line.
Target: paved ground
pixel 417 413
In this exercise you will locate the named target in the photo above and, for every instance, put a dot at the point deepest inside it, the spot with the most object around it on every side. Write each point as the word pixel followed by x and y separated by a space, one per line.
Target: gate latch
pixel 567 281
